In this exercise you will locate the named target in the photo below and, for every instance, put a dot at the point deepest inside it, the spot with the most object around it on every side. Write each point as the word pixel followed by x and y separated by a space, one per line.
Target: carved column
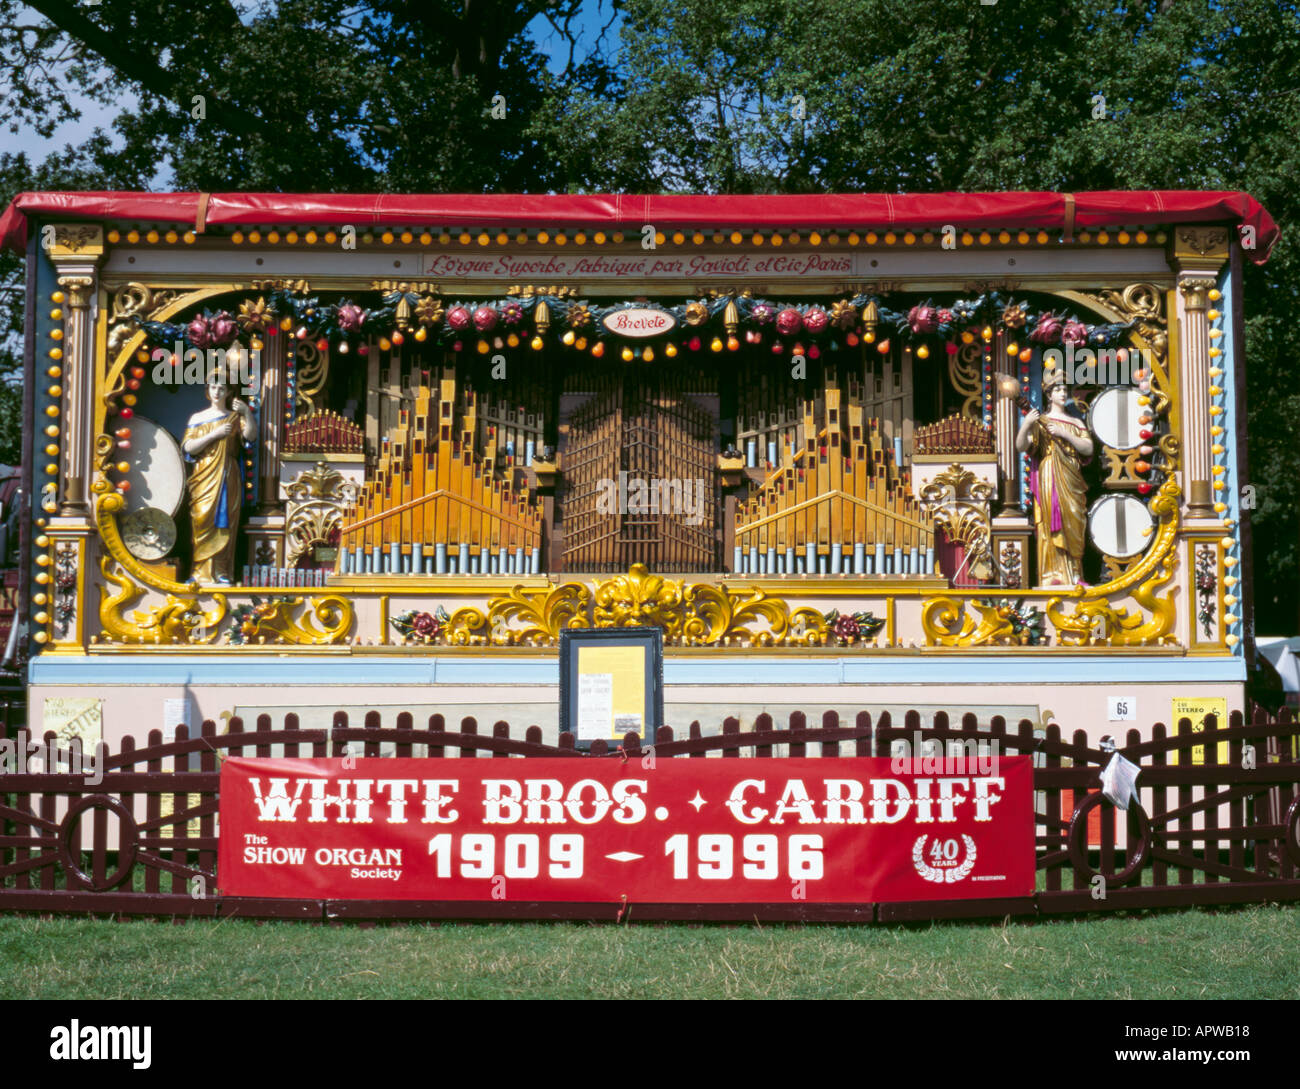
pixel 1195 344
pixel 79 390
pixel 271 424
pixel 1198 254
pixel 75 251
pixel 1006 421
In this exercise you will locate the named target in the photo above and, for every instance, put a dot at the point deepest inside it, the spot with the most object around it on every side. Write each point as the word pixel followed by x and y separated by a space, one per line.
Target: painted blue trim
pixel 178 670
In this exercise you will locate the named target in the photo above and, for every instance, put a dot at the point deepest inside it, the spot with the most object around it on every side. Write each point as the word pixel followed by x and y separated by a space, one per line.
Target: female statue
pixel 1060 446
pixel 214 439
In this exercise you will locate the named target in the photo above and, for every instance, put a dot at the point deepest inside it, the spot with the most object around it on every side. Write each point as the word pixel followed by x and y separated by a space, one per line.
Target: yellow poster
pixel 1196 710
pixel 167 806
pixel 611 691
pixel 74 716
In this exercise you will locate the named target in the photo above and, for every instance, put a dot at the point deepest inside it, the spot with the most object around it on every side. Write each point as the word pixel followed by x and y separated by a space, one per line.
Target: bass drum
pixel 1116 417
pixel 157 473
pixel 1120 526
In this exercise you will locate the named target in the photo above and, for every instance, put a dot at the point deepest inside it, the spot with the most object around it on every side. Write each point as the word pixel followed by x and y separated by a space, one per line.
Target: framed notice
pixel 611 683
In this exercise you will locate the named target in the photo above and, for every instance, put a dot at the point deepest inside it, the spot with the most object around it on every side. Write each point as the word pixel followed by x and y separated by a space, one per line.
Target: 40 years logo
pixel 947 862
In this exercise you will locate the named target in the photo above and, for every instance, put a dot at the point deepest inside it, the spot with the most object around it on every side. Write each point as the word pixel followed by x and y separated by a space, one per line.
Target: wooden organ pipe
pixel 436 505
pixel 840 505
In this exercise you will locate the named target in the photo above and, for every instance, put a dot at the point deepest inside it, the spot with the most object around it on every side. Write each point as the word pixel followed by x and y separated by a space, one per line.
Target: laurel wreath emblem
pixel 939 875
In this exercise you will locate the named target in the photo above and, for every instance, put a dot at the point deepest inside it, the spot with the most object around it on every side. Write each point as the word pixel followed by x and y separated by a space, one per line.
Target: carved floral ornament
pixel 314 512
pixel 959 503
pixel 75 238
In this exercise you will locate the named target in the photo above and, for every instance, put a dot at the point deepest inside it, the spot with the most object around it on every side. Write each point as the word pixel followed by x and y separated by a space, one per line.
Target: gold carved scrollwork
pixel 965 372
pixel 698 615
pixel 947 623
pixel 322 481
pixel 308 526
pixel 959 502
pixel 703 614
pixel 312 370
pixel 108 505
pixel 317 498
pixel 1144 578
pixel 1119 467
pixel 541 615
pixel 180 620
pixel 132 303
pixel 1144 305
pixel 724 616
pixel 275 622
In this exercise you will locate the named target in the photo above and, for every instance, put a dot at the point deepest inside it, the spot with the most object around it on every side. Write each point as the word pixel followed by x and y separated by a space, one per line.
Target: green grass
pixel 1251 952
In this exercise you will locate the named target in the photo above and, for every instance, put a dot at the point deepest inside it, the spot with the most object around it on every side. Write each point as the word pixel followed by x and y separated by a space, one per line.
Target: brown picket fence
pixel 1234 791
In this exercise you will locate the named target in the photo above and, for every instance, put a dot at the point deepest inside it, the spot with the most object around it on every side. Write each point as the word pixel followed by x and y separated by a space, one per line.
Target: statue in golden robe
pixel 1059 446
pixel 215 439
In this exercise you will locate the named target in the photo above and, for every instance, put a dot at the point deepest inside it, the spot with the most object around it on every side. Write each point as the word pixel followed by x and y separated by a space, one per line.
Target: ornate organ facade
pixel 783 442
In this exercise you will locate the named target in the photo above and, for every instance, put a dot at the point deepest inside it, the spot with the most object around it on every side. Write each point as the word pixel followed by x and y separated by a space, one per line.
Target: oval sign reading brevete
pixel 640 321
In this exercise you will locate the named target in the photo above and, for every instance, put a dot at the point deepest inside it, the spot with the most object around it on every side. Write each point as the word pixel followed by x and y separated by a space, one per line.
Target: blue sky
pixel 93 115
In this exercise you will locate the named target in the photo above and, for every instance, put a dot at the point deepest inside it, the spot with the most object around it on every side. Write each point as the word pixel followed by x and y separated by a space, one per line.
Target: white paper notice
pixel 595 706
pixel 178 712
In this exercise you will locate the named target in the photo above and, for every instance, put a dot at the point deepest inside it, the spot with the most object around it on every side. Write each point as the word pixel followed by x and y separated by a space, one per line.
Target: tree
pixel 302 95
pixel 716 96
pixel 878 96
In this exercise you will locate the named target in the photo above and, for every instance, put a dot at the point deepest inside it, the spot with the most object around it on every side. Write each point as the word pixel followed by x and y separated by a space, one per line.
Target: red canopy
pixel 1113 208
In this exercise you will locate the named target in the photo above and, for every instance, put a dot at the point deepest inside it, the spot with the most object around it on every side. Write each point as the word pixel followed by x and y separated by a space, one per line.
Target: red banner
pixel 844 830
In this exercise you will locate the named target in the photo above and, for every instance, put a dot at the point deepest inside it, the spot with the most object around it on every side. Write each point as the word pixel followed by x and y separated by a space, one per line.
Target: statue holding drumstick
pixel 214 438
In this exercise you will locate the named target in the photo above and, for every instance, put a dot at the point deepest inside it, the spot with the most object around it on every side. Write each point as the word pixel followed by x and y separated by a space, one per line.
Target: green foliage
pixel 704 95
pixel 955 95
pixel 11 423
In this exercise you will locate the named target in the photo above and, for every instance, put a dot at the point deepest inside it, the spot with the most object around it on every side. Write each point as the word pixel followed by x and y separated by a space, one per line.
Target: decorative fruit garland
pixel 717 324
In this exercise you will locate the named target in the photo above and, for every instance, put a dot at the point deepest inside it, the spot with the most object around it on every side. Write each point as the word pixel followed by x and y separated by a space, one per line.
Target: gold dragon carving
pixel 179 620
